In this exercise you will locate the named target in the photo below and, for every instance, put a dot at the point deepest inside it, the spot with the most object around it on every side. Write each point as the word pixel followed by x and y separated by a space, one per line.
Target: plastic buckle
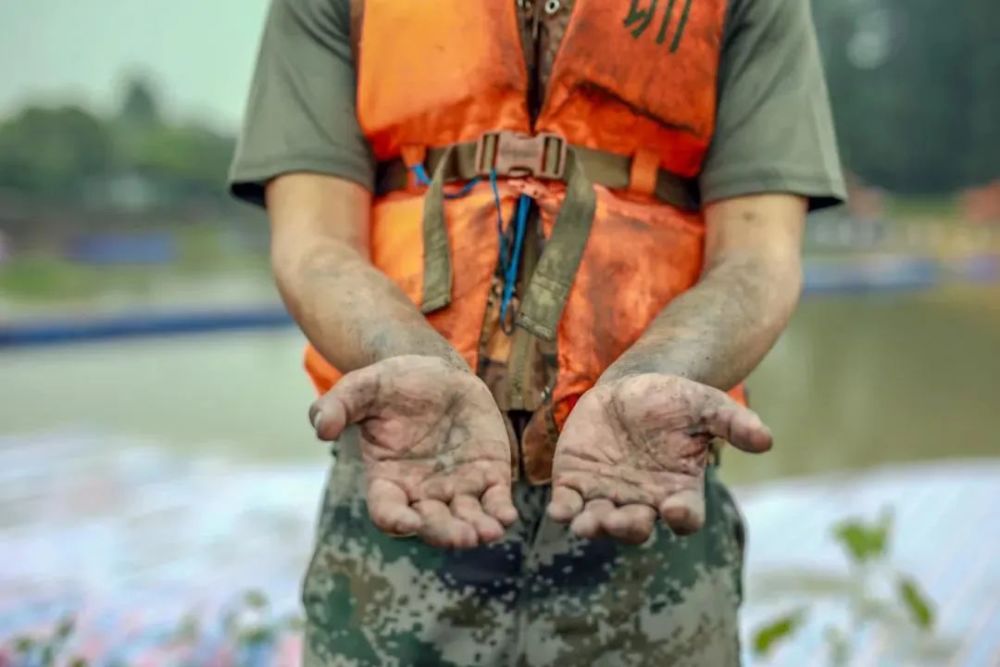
pixel 518 155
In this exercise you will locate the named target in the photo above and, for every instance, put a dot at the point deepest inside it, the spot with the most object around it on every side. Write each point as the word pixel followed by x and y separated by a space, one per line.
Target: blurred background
pixel 157 476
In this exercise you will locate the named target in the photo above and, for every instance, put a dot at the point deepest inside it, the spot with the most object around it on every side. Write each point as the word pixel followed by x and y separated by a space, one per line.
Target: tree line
pixel 915 89
pixel 71 155
pixel 914 84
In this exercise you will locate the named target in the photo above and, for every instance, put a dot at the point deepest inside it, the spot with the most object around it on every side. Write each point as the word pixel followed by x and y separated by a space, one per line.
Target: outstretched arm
pixel 635 446
pixel 349 310
pixel 718 331
pixel 434 444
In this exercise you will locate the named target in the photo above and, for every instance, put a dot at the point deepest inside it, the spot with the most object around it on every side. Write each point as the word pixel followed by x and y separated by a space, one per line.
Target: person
pixel 536 247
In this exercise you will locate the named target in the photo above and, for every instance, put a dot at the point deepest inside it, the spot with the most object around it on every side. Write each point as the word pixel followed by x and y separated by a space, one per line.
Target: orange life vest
pixel 633 86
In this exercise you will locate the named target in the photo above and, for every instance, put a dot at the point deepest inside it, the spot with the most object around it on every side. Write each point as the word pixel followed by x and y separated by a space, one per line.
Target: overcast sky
pixel 200 52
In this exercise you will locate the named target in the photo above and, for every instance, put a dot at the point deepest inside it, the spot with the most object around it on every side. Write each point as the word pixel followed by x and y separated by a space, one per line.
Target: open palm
pixel 434 445
pixel 637 447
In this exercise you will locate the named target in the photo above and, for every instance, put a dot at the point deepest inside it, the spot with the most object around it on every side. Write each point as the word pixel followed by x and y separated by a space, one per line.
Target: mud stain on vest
pixel 597 93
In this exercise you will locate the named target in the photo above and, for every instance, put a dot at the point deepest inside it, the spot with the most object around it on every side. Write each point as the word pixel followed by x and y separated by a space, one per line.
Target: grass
pixel 202 252
pixel 46 279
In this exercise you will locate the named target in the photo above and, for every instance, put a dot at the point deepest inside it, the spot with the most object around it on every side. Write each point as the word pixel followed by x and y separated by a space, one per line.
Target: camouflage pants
pixel 540 597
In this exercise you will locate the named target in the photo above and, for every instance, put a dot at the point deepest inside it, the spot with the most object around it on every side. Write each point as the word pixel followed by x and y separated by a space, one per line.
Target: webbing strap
pixel 553 277
pixel 551 281
pixel 611 170
pixel 437 255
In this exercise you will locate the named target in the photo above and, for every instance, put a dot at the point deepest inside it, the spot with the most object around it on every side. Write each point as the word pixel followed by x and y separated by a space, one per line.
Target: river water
pixel 855 381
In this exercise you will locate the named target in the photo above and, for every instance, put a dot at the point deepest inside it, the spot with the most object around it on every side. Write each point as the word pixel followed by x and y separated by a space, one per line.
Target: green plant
pixel 875 593
pixel 252 624
pixel 46 650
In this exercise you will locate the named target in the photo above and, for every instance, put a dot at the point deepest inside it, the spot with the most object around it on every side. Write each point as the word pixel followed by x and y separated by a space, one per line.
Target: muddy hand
pixel 636 448
pixel 435 449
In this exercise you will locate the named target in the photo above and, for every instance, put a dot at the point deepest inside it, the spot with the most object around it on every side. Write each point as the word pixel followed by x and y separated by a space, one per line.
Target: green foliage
pixel 915 601
pixel 249 624
pixel 257 635
pixel 64 629
pixel 46 650
pixel 188 630
pixel 864 542
pixel 295 623
pixel 866 546
pixel 68 155
pixel 140 107
pixel 913 89
pixel 40 278
pixel 23 645
pixel 839 646
pixel 255 599
pixel 771 634
pixel 54 153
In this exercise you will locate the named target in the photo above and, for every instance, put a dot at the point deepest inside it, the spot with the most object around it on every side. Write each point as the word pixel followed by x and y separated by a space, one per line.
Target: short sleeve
pixel 774 130
pixel 301 115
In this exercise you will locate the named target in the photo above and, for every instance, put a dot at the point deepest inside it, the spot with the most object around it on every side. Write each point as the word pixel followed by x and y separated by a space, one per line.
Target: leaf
pixel 840 648
pixel 916 602
pixel 295 623
pixel 864 542
pixel 23 645
pixel 230 621
pixel 48 655
pixel 255 599
pixel 257 635
pixel 766 637
pixel 188 630
pixel 79 662
pixel 65 628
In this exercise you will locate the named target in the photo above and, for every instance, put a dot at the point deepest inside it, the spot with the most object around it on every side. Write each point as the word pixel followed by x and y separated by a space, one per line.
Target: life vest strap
pixel 522 157
pixel 437 256
pixel 544 156
pixel 545 298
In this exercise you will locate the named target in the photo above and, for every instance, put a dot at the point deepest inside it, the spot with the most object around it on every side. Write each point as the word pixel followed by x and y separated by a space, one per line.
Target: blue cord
pixel 421 174
pixel 424 179
pixel 510 279
pixel 508 264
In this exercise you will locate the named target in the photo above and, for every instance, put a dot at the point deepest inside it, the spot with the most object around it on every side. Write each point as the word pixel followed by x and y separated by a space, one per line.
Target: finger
pixel 441 529
pixel 565 505
pixel 468 480
pixel 439 487
pixel 740 426
pixel 498 504
pixel 588 523
pixel 390 509
pixel 630 523
pixel 347 403
pixel 684 511
pixel 469 510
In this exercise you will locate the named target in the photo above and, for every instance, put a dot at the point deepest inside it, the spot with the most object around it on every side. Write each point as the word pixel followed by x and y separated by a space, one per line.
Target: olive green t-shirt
pixel 774 131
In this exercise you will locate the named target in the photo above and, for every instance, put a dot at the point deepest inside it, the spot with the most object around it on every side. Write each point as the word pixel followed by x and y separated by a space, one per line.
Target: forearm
pixel 718 331
pixel 350 311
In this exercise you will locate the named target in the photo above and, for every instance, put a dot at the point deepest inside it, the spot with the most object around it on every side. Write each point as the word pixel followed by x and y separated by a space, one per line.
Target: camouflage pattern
pixel 540 597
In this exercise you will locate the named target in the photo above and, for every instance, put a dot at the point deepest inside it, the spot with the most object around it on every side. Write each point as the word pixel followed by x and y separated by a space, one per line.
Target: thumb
pixel 741 427
pixel 348 402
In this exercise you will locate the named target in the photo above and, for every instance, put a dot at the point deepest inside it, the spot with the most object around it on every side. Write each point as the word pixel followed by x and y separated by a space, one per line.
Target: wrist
pixel 642 362
pixel 418 342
